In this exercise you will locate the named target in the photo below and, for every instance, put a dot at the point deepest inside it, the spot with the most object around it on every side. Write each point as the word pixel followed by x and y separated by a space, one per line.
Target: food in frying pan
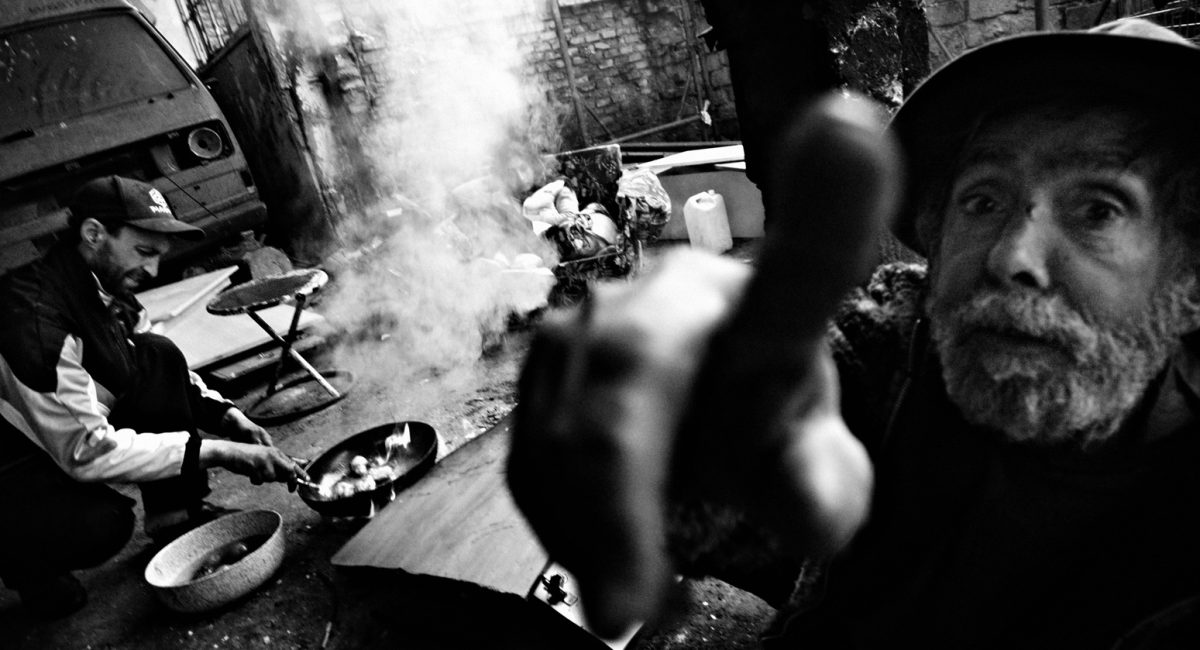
pixel 365 474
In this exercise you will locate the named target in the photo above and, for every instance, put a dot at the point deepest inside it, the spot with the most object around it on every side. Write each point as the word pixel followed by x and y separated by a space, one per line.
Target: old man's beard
pixel 1037 370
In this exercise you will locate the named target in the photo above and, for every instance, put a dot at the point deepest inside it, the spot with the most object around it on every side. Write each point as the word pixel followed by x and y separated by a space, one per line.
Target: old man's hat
pixel 113 200
pixel 1132 59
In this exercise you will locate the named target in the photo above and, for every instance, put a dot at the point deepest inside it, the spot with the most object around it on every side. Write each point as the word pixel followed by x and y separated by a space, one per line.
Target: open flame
pixel 398 440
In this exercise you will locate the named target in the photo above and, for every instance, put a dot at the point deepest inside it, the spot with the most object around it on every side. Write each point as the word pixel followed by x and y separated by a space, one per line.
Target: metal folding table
pixel 298 397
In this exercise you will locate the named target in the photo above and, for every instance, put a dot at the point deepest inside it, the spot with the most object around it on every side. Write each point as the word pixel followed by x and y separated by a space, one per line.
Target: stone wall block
pixel 1084 15
pixel 977 9
pixel 949 12
pixel 982 32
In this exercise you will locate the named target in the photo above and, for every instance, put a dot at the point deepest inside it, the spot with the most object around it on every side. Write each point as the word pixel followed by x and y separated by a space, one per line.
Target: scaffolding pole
pixel 565 52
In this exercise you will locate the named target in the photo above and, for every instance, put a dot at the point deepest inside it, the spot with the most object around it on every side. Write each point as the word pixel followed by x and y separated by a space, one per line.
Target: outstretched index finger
pixel 835 186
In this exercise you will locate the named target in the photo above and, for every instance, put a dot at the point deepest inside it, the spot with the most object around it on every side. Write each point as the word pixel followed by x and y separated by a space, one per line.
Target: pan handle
pixel 303 463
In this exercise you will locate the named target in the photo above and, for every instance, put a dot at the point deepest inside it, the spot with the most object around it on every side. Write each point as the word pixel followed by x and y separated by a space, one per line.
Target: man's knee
pixel 158 349
pixel 73 528
pixel 93 529
pixel 107 528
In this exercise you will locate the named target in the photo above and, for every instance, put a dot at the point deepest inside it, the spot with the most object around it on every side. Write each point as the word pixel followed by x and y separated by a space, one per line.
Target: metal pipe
pixel 290 351
pixel 698 71
pixel 565 52
pixel 941 45
pixel 655 129
pixel 688 144
pixel 599 121
pixel 1041 15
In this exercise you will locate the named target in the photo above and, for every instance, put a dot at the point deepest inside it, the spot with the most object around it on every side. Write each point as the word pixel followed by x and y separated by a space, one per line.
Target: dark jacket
pixel 972 541
pixel 66 360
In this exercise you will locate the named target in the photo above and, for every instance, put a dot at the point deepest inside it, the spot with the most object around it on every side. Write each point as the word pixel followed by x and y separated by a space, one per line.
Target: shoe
pixel 161 535
pixel 55 597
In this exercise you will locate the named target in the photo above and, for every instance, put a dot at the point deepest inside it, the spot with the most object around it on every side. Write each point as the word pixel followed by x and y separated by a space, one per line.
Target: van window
pixel 55 72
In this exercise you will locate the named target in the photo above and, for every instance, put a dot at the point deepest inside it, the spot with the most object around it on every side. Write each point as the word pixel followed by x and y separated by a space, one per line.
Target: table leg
pixel 289 351
pixel 289 340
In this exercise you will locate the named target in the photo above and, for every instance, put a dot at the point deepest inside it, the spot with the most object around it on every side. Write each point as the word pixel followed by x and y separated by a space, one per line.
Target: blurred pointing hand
pixel 701 374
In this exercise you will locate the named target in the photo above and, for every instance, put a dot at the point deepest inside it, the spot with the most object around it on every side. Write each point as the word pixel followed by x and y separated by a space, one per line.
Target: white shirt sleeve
pixel 71 425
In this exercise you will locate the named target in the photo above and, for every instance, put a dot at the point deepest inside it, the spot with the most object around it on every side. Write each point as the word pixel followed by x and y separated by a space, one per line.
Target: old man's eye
pixel 978 205
pixel 1098 213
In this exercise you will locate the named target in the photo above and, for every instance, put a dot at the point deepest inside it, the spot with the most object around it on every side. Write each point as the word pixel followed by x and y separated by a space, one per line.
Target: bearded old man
pixel 998 449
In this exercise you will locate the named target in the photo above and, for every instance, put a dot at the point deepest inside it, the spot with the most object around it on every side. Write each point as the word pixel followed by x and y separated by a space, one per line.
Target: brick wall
pixel 959 25
pixel 637 65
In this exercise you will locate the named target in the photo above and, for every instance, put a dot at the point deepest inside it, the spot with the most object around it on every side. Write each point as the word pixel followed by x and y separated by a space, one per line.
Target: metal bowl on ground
pixel 219 562
pixel 405 464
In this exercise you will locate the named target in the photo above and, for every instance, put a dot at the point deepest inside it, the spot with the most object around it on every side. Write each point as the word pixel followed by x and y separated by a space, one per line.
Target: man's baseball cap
pixel 1131 59
pixel 118 200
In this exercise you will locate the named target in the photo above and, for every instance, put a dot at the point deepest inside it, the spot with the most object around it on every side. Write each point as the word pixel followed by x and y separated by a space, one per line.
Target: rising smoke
pixel 453 140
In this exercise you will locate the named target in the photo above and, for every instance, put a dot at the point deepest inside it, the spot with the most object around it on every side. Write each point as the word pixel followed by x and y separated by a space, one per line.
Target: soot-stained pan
pixel 406 462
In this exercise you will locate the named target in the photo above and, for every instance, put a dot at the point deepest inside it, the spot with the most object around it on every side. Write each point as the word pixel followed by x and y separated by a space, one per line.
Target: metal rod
pixel 1100 14
pixel 689 144
pixel 565 52
pixel 295 356
pixel 288 340
pixel 703 92
pixel 300 301
pixel 655 129
pixel 1041 14
pixel 599 121
pixel 942 46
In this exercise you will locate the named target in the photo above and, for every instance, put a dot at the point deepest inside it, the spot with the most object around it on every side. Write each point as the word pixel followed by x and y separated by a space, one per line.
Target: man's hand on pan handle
pixel 706 372
pixel 260 463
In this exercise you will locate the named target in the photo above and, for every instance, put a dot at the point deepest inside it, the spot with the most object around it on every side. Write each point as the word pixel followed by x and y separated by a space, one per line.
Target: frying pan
pixel 408 463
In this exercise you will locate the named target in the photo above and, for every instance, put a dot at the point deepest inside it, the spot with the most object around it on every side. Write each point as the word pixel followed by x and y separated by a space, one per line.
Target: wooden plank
pixel 457 522
pixel 170 300
pixel 206 339
pixel 694 157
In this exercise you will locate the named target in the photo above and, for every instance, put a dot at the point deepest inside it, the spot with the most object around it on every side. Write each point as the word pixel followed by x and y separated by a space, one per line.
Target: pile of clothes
pixel 590 232
pixel 576 233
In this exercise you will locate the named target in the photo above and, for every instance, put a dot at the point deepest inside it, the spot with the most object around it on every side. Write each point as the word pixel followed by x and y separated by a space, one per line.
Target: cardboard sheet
pixel 172 300
pixel 206 339
pixel 457 522
pixel 178 312
pixel 694 157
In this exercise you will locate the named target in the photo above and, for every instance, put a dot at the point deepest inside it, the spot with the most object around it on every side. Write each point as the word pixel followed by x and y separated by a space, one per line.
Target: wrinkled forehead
pixel 1073 134
pixel 1062 138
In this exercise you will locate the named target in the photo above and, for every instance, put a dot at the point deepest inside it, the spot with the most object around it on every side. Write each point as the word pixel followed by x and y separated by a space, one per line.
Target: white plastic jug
pixel 707 223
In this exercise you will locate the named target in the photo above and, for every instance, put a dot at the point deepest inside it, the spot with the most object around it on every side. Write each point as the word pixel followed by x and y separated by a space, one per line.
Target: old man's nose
pixel 1020 254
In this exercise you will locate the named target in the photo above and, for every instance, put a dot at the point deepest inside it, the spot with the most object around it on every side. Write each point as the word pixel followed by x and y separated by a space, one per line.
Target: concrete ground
pixel 309 604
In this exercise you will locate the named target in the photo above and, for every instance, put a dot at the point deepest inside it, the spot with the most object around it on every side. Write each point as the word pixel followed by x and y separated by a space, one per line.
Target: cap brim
pixel 1023 68
pixel 172 227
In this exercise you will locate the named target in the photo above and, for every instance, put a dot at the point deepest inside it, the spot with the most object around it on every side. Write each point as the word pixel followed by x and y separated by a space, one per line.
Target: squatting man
pixel 88 396
pixel 997 449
